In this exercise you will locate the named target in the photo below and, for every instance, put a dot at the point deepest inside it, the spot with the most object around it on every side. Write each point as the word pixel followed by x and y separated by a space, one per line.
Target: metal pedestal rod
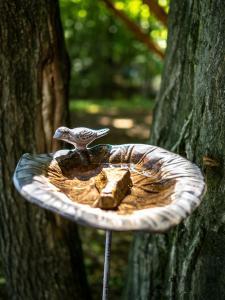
pixel 108 240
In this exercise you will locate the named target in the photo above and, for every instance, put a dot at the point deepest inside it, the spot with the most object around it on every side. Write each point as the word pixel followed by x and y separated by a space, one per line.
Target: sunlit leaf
pixel 145 11
pixel 134 7
pixel 82 13
pixel 119 5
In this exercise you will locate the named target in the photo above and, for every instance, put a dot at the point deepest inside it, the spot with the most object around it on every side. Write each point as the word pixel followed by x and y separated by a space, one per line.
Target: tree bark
pixel 189 118
pixel 41 253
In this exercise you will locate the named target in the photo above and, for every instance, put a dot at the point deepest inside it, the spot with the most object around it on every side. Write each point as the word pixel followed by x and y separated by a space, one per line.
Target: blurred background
pixel 116 51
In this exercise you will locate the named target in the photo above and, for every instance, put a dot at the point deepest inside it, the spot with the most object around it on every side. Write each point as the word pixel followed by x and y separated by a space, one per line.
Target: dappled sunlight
pixel 135 130
pixel 123 123
pixel 139 130
pixel 129 121
pixel 105 121
pixel 94 109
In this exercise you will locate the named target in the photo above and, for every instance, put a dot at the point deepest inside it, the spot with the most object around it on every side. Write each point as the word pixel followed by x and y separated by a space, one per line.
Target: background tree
pixel 107 59
pixel 40 252
pixel 189 118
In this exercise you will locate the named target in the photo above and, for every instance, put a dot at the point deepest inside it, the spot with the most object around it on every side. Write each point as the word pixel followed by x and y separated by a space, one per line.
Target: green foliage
pixel 105 105
pixel 106 59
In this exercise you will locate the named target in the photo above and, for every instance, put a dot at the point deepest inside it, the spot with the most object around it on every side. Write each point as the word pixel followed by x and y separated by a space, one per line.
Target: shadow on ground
pixel 125 127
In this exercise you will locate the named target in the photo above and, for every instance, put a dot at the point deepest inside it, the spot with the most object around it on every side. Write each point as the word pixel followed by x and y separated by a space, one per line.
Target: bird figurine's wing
pixel 83 136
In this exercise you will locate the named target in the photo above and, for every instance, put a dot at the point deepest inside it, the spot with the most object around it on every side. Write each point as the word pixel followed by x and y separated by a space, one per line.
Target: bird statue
pixel 80 137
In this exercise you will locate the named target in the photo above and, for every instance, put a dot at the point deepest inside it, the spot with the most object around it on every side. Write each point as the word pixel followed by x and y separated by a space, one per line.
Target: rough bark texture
pixel 41 253
pixel 189 118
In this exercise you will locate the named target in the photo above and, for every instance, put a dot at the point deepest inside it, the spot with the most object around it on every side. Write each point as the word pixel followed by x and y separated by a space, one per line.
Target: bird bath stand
pixel 125 187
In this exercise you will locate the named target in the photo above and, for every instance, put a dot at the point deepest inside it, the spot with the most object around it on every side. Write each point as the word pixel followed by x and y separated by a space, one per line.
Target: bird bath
pixel 113 187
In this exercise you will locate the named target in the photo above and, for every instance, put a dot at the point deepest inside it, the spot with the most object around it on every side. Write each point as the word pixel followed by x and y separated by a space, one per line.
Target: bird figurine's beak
pixel 102 132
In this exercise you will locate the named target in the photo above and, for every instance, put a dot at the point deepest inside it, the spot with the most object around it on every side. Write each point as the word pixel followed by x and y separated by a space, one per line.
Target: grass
pixel 95 106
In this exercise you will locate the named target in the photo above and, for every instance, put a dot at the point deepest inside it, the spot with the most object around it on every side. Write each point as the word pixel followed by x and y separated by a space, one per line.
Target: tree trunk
pixel 41 253
pixel 189 118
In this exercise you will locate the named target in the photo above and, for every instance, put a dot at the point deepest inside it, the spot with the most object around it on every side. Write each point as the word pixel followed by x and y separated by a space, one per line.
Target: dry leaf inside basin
pixel 113 184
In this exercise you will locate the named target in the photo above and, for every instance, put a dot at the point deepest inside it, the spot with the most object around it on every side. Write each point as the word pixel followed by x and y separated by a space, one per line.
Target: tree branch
pixel 157 10
pixel 133 27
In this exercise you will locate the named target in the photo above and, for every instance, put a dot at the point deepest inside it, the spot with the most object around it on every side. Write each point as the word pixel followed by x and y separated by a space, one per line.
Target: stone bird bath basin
pixel 160 188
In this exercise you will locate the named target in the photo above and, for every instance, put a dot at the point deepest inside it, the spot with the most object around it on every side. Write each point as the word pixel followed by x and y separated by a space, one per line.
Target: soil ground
pixel 125 127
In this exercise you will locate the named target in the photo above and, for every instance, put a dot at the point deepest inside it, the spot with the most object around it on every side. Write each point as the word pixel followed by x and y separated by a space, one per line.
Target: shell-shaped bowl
pixel 166 187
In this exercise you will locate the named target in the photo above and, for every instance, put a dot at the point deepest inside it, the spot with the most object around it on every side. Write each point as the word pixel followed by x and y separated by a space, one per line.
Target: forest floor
pixel 129 122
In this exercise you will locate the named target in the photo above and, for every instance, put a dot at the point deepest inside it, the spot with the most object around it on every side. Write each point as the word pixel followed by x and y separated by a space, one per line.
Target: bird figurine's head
pixel 80 137
pixel 62 133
